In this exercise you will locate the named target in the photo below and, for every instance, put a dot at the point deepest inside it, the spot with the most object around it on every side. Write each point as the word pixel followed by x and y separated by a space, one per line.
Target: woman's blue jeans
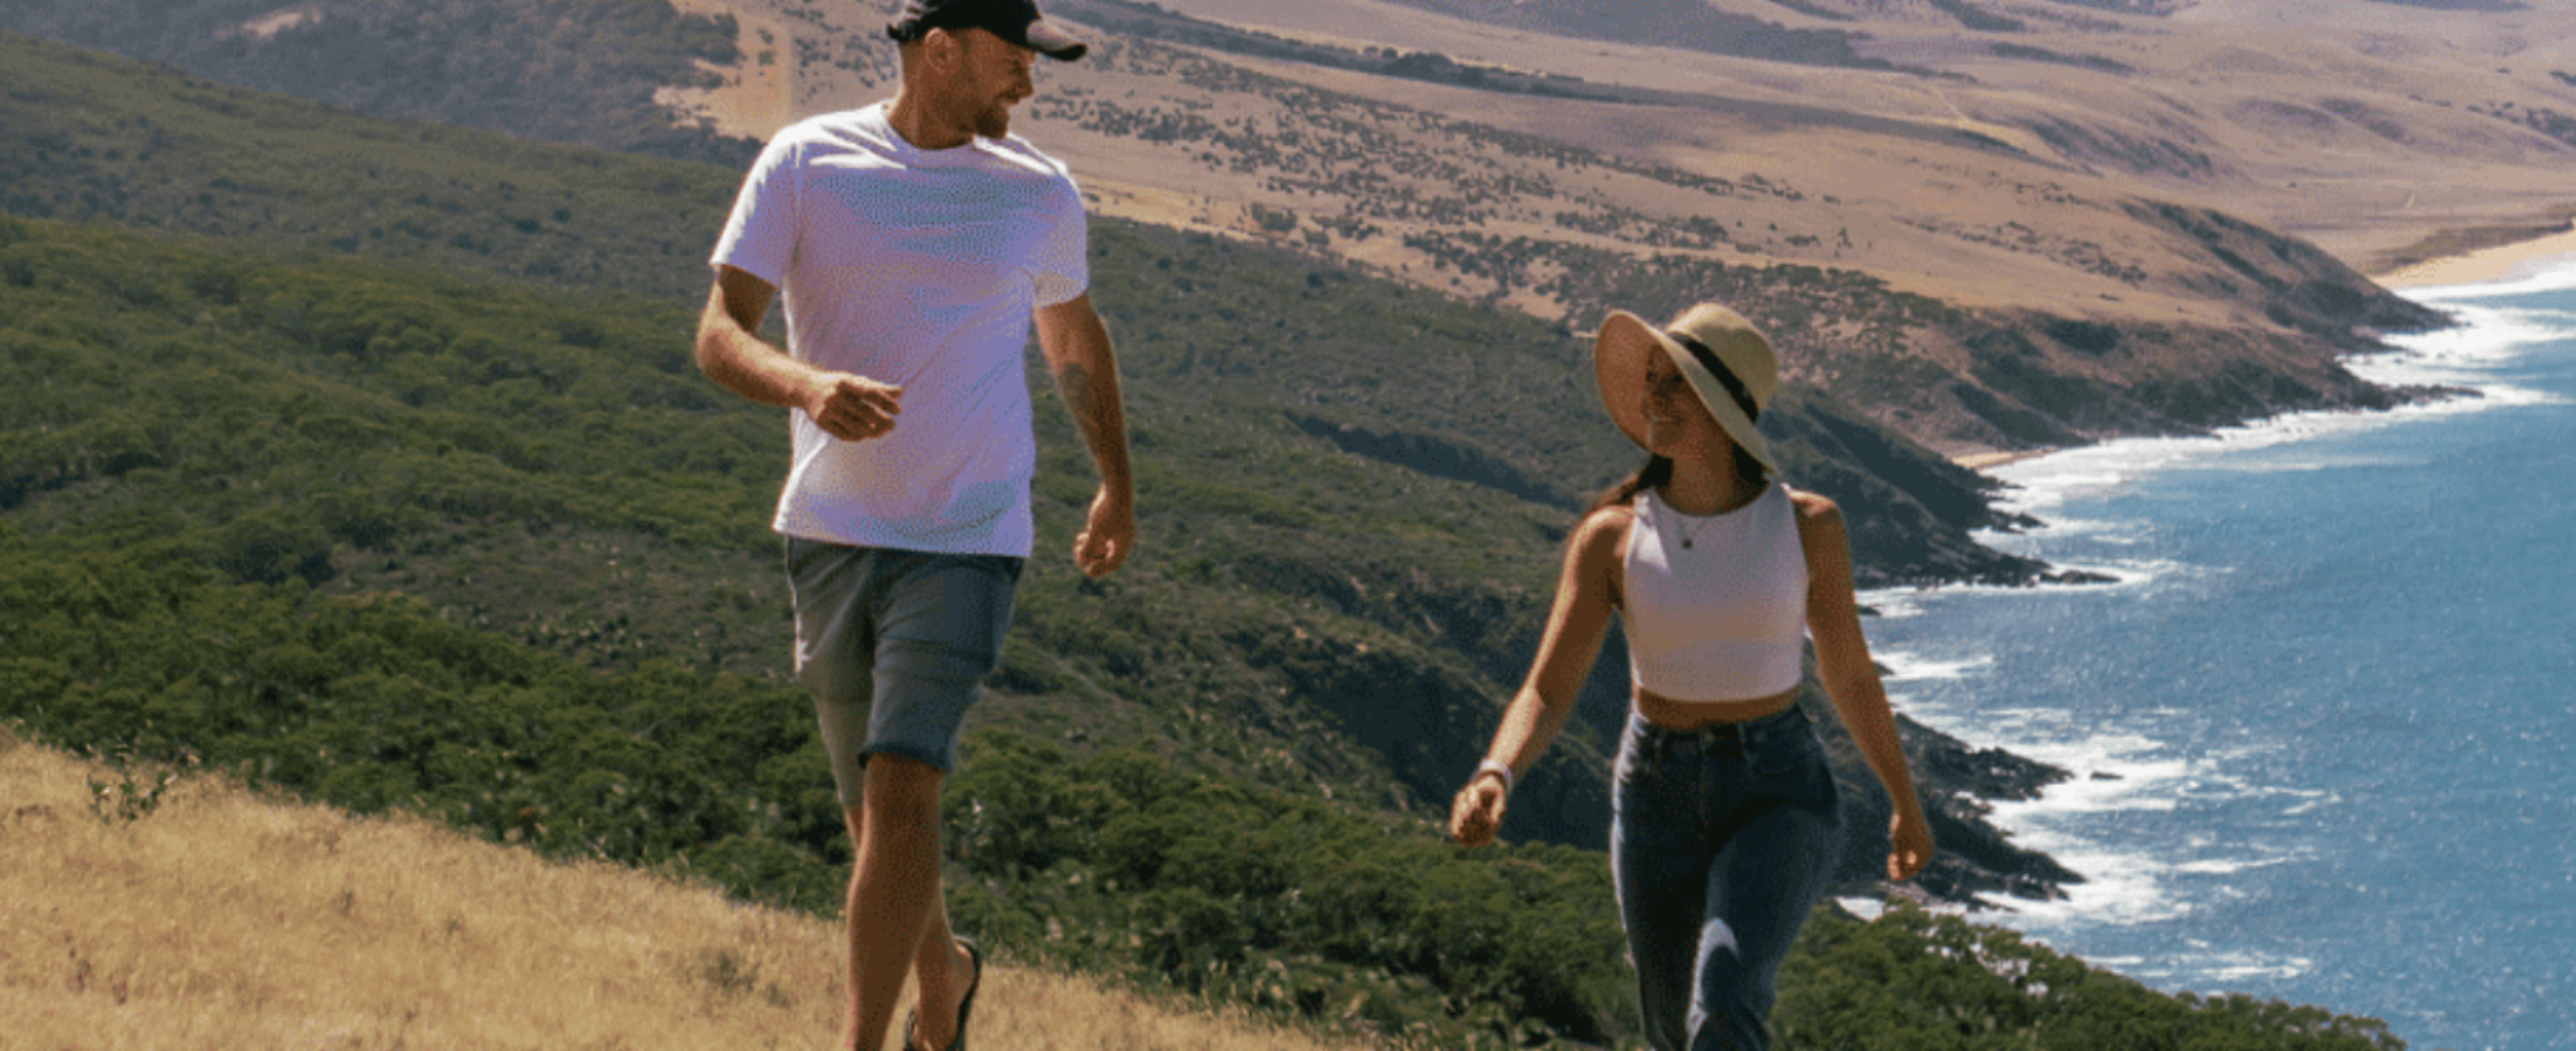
pixel 1721 840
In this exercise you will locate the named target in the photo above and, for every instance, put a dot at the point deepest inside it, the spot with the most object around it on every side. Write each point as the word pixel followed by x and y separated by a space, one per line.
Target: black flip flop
pixel 965 1004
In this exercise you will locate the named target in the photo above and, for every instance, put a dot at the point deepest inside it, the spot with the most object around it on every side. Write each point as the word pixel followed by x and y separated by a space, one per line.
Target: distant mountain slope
pixel 93 137
pixel 1690 24
pixel 578 71
pixel 1891 246
pixel 1879 239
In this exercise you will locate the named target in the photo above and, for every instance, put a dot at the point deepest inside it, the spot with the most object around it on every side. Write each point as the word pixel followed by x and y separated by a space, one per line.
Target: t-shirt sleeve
pixel 1064 260
pixel 760 237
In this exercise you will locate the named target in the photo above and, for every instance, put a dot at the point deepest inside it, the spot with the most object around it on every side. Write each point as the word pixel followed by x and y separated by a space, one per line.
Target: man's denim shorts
pixel 892 645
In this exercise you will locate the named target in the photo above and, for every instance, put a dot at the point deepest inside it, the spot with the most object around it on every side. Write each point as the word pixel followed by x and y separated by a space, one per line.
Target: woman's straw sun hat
pixel 1724 357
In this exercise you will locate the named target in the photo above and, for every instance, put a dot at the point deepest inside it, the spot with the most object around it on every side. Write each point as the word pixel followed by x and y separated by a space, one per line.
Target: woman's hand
pixel 1478 811
pixel 1909 840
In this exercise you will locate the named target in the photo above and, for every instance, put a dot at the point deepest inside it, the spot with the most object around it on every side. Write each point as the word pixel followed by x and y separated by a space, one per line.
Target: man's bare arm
pixel 731 352
pixel 1077 348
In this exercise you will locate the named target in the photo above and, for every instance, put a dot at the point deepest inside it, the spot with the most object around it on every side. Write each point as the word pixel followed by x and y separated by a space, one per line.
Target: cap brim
pixel 1619 368
pixel 1045 39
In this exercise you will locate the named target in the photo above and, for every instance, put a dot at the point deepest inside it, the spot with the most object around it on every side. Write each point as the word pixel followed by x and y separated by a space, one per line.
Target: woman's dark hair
pixel 1658 470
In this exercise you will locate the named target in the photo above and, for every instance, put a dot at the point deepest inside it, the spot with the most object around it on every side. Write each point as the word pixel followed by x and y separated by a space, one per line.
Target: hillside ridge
pixel 1964 181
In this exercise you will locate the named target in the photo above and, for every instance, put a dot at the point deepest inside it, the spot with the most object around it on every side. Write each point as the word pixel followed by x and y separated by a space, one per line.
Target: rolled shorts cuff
pixel 893 646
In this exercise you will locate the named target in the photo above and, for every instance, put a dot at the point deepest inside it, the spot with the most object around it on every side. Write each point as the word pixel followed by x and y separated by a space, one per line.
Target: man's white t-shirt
pixel 918 268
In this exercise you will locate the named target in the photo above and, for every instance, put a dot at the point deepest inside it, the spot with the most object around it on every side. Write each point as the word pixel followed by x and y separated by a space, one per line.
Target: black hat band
pixel 1725 376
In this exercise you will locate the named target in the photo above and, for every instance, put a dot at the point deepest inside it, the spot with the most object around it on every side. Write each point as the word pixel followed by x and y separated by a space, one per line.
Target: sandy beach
pixel 1980 461
pixel 2486 265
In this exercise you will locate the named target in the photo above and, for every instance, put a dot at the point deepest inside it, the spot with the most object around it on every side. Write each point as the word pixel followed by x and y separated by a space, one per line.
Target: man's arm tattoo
pixel 1074 383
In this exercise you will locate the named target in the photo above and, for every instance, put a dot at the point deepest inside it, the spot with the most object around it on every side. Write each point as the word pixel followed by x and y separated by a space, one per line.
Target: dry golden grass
pixel 217 919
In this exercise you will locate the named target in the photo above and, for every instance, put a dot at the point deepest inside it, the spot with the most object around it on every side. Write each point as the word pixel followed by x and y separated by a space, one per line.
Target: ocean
pixel 2323 726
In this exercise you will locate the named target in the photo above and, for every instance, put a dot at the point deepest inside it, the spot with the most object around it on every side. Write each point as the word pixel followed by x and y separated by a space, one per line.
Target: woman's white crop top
pixel 1716 607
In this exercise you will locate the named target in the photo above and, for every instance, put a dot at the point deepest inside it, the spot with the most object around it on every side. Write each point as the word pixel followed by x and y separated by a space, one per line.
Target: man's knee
pixel 902 789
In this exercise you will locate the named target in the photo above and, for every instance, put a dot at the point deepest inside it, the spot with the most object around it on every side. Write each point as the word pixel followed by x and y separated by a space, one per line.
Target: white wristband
pixel 1492 767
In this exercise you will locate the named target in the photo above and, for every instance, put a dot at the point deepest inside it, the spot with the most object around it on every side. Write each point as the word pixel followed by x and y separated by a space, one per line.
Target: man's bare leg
pixel 896 920
pixel 945 972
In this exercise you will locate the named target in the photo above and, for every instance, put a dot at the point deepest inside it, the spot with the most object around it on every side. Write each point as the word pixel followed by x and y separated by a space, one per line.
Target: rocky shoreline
pixel 1979 867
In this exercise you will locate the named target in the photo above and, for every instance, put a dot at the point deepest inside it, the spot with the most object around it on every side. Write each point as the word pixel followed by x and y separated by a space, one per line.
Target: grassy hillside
pixel 148 907
pixel 1114 863
pixel 196 914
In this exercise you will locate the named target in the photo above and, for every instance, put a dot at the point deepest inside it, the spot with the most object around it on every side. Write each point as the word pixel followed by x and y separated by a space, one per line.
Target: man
pixel 915 241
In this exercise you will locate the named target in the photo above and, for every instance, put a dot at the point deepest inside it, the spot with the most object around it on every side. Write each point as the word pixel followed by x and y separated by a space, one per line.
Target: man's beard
pixel 994 122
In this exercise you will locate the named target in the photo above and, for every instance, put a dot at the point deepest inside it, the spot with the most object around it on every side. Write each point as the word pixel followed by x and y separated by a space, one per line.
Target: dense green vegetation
pixel 85 136
pixel 1114 862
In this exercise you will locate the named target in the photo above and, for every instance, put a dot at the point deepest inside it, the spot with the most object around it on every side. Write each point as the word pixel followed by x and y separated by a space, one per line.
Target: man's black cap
pixel 1017 21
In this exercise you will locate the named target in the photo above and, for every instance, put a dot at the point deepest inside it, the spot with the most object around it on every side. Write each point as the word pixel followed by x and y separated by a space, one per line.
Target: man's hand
pixel 1107 535
pixel 851 408
pixel 731 352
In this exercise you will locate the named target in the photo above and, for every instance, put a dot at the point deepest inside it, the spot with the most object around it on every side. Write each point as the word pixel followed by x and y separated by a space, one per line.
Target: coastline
pixel 2495 265
pixel 1986 460
pixel 2142 883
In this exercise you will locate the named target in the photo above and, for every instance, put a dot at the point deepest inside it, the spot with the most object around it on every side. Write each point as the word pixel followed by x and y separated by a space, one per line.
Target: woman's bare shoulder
pixel 1814 507
pixel 1603 529
pixel 1613 516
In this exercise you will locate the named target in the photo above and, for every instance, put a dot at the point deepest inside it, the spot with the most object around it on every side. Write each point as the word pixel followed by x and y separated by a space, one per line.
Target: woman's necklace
pixel 1689 535
pixel 1683 524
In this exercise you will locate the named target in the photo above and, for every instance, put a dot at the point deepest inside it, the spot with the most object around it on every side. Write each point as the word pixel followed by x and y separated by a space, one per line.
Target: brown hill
pixel 2025 223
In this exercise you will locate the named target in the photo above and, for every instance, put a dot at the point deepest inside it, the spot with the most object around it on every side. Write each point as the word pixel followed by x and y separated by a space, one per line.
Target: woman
pixel 1725 823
